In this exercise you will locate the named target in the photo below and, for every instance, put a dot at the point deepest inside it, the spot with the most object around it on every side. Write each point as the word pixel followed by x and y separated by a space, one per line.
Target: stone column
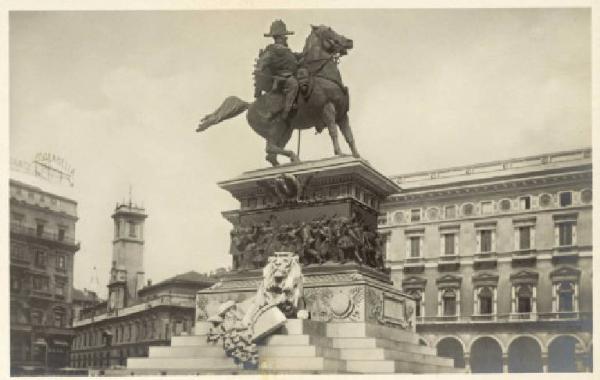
pixel 580 362
pixel 467 362
pixel 544 362
pixel 505 362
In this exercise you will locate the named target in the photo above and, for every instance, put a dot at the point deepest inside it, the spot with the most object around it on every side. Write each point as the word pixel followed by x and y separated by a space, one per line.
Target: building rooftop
pixel 85 295
pixel 495 170
pixel 187 278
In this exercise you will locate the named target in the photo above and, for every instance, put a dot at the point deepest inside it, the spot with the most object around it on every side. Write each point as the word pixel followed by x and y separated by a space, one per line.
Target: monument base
pixel 301 346
pixel 332 293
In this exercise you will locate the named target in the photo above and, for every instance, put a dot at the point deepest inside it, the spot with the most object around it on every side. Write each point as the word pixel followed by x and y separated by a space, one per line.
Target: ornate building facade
pixel 42 251
pixel 499 257
pixel 135 316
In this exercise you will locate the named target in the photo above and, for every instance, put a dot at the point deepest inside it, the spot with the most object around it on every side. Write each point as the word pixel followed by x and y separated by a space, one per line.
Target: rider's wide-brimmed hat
pixel 278 28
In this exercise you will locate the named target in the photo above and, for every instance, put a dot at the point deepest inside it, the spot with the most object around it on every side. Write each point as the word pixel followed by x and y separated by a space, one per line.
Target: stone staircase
pixel 301 346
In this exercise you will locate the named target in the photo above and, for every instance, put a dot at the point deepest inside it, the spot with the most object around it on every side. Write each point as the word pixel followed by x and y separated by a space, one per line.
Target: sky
pixel 118 94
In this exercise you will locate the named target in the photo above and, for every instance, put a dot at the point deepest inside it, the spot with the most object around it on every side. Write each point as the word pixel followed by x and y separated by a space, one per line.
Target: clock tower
pixel 127 269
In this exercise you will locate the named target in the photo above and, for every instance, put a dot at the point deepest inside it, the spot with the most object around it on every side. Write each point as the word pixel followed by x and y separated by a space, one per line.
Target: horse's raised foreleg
pixel 276 147
pixel 329 119
pixel 344 124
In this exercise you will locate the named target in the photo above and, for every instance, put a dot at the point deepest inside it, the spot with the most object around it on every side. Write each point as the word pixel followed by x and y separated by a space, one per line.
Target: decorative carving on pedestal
pixel 334 239
pixel 388 310
pixel 335 304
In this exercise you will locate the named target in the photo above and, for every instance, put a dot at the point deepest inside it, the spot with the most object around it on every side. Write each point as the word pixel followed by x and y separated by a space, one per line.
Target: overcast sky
pixel 119 95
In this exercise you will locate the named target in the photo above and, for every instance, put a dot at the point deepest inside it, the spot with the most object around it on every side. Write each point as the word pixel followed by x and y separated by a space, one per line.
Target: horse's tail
pixel 231 107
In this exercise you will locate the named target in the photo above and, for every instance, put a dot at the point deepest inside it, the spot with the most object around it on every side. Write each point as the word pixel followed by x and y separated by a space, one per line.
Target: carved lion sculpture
pixel 279 296
pixel 282 283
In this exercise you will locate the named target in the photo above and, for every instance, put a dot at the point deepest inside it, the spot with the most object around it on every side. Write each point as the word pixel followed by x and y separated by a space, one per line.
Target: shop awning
pixel 40 342
pixel 59 342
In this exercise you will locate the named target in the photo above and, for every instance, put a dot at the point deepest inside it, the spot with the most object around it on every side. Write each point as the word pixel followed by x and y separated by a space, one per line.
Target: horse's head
pixel 330 41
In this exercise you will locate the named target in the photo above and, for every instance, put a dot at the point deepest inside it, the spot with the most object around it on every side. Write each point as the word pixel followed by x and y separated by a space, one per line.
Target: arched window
pixel 524 299
pixel 486 300
pixel 449 303
pixel 566 293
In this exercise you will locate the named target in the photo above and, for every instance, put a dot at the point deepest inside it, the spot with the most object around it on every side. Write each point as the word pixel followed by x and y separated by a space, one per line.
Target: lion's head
pixel 282 271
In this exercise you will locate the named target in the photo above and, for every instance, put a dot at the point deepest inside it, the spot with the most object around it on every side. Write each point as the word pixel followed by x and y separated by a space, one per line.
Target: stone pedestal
pixel 330 206
pixel 332 293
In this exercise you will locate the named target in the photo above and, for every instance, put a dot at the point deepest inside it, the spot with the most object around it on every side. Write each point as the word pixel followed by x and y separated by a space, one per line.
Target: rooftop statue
pixel 295 91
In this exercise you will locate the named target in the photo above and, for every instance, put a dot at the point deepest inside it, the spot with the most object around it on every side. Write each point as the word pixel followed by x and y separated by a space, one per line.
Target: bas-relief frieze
pixel 335 304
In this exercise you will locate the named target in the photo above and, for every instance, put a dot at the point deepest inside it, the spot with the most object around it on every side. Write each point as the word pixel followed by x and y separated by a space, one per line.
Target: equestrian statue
pixel 295 91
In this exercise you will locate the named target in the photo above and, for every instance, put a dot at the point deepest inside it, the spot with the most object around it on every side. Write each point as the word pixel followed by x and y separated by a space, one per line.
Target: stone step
pixel 298 351
pixel 381 343
pixel 212 351
pixel 388 354
pixel 304 364
pixel 364 330
pixel 210 364
pixel 191 340
pixel 167 372
pixel 296 340
pixel 287 340
pixel 392 366
pixel 303 326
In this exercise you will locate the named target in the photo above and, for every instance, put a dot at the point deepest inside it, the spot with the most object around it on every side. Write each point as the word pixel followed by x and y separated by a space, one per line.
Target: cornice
pixel 484 186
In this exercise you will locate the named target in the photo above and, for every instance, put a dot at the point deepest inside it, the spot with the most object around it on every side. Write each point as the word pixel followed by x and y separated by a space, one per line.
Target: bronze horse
pixel 323 102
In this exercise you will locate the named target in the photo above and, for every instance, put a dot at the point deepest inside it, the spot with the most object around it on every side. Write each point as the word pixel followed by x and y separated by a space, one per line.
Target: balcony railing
pixel 506 318
pixel 29 231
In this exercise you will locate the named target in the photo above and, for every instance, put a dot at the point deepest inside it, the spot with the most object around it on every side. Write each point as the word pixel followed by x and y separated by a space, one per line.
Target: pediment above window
pixel 565 273
pixel 414 283
pixel 485 279
pixel 524 277
pixel 449 281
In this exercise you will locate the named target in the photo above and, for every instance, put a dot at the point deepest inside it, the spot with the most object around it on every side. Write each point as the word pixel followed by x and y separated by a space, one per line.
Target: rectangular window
pixel 40 259
pixel 450 212
pixel 415 246
pixel 61 234
pixel 524 237
pixel 487 207
pixel 59 319
pixel 415 215
pixel 40 283
pixel 566 199
pixel 449 244
pixel 132 232
pixel 61 262
pixel 486 240
pixel 17 219
pixel 60 288
pixel 36 318
pixel 525 203
pixel 39 229
pixel 565 234
pixel 15 282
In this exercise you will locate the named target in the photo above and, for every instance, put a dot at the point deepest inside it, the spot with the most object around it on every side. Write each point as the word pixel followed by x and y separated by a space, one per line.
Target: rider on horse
pixel 276 65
